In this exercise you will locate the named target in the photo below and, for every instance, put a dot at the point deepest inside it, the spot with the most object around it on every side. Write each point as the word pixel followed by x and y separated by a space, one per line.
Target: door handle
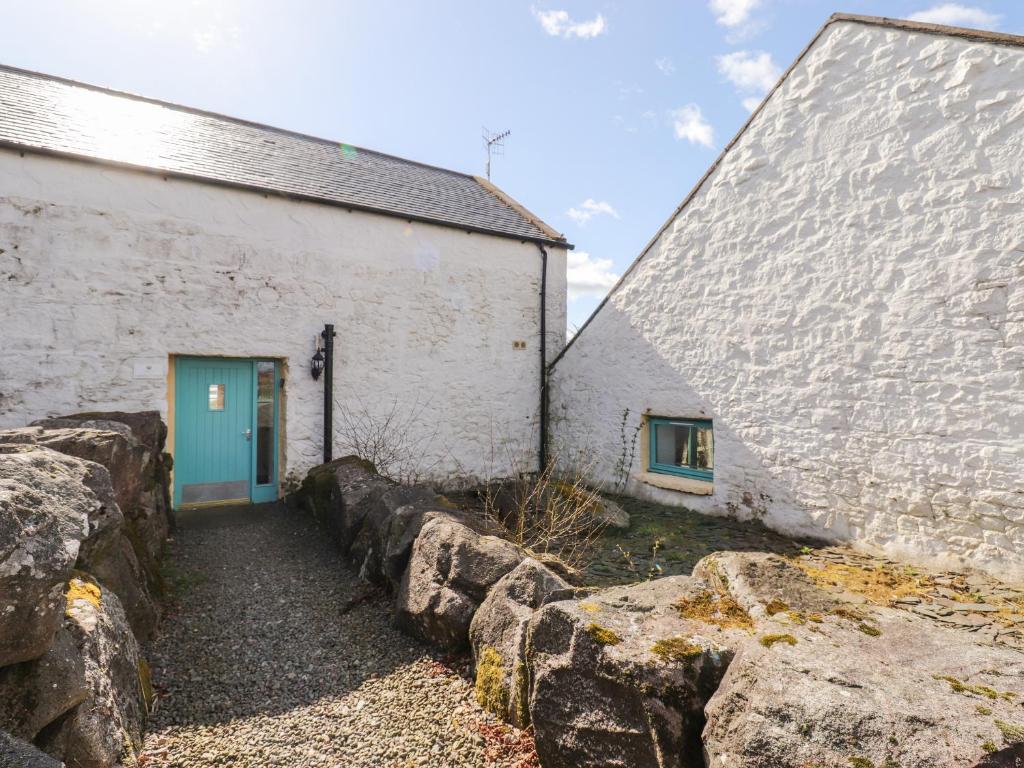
pixel 248 434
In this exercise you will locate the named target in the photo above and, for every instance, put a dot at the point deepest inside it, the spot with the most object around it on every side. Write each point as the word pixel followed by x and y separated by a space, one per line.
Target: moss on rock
pixel 603 635
pixel 769 640
pixel 676 649
pixel 491 692
pixel 714 608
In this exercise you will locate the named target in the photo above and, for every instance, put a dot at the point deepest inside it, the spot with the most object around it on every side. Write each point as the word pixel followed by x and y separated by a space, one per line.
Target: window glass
pixel 265 374
pixel 216 397
pixel 682 447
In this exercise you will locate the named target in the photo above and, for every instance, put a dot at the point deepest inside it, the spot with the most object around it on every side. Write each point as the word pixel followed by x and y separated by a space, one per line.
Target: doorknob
pixel 248 434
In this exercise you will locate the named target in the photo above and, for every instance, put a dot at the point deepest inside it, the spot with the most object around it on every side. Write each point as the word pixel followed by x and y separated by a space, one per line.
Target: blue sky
pixel 615 108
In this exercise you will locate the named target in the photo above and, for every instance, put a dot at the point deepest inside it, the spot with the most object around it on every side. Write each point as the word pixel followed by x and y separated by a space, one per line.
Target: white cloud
pixel 665 65
pixel 733 13
pixel 590 208
pixel 586 276
pixel 689 123
pixel 558 24
pixel 956 15
pixel 751 71
pixel 751 103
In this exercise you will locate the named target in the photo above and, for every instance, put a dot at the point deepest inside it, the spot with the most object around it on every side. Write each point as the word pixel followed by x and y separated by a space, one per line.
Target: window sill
pixel 676 483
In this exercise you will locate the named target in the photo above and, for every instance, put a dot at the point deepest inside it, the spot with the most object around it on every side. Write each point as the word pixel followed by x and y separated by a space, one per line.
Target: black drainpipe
pixel 543 452
pixel 328 336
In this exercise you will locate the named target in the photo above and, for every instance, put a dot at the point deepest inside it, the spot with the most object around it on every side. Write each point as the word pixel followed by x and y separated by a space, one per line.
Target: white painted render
pixel 105 273
pixel 844 295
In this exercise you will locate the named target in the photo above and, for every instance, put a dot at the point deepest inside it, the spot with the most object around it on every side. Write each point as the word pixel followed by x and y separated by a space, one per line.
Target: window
pixel 684 447
pixel 216 397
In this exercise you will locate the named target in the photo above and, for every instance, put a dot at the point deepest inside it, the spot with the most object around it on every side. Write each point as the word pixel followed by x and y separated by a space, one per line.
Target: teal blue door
pixel 225 431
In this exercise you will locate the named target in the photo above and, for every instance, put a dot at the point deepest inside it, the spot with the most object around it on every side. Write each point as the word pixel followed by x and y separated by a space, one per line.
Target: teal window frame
pixel 672 469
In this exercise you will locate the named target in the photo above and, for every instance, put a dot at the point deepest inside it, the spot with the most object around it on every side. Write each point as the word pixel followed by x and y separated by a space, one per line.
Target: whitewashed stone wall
pixel 105 273
pixel 845 296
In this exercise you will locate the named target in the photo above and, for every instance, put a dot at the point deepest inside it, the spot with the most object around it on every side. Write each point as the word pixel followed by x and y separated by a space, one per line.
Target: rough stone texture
pixel 139 470
pixel 449 573
pixel 106 728
pixel 842 296
pixel 369 546
pixel 129 269
pixel 757 579
pixel 109 452
pixel 498 633
pixel 607 512
pixel 603 697
pixel 15 753
pixel 340 493
pixel 45 510
pixel 839 694
pixel 35 693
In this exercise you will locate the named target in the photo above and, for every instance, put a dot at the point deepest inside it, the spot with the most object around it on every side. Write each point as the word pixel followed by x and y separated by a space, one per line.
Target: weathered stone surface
pixel 45 513
pixel 621 678
pixel 139 469
pixel 35 693
pixel 15 753
pixel 370 542
pixel 106 728
pixel 340 493
pixel 498 636
pixel 403 528
pixel 757 580
pixel 607 512
pixel 115 552
pixel 907 693
pixel 449 573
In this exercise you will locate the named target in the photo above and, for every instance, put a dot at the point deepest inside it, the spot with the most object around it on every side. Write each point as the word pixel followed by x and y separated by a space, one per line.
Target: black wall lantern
pixel 316 365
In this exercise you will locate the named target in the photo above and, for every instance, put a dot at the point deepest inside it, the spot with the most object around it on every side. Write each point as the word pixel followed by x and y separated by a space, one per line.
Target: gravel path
pixel 259 664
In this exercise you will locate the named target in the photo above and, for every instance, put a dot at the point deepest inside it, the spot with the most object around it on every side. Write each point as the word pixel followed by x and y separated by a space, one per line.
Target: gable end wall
pixel 844 297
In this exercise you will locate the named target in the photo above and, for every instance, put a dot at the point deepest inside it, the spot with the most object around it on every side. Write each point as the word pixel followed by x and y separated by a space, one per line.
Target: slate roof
pixel 56 116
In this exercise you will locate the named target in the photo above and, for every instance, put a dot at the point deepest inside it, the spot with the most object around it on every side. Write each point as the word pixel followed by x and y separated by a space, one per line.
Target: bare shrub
pixel 550 514
pixel 393 439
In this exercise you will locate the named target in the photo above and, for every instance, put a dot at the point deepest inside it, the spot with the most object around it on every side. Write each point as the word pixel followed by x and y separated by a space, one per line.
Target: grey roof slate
pixel 56 116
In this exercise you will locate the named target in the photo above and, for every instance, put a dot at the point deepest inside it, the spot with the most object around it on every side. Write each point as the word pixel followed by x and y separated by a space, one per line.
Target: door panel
pixel 214 429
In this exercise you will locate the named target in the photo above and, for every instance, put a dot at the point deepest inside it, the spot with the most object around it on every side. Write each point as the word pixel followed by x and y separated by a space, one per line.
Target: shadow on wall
pixel 587 416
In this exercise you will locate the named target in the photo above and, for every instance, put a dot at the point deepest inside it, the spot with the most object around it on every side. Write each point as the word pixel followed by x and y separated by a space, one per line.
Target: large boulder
pixel 498 636
pixel 830 683
pixel 15 753
pixel 369 544
pixel 109 552
pixel 450 571
pixel 45 514
pixel 105 730
pixel 621 677
pixel 340 493
pixel 35 693
pixel 140 471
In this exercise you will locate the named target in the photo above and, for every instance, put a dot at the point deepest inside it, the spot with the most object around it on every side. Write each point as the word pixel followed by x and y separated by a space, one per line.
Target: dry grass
pixel 715 608
pixel 879 586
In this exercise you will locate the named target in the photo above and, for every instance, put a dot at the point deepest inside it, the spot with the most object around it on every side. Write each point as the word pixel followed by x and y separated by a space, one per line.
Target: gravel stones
pixel 256 664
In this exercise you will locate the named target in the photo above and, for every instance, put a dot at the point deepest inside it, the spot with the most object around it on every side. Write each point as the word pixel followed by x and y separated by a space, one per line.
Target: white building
pixel 158 257
pixel 838 306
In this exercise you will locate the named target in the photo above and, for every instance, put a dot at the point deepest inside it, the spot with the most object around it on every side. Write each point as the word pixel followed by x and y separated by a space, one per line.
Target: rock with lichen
pixel 45 512
pixel 450 571
pixel 15 753
pixel 621 677
pixel 340 494
pixel 498 637
pixel 834 683
pixel 105 729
